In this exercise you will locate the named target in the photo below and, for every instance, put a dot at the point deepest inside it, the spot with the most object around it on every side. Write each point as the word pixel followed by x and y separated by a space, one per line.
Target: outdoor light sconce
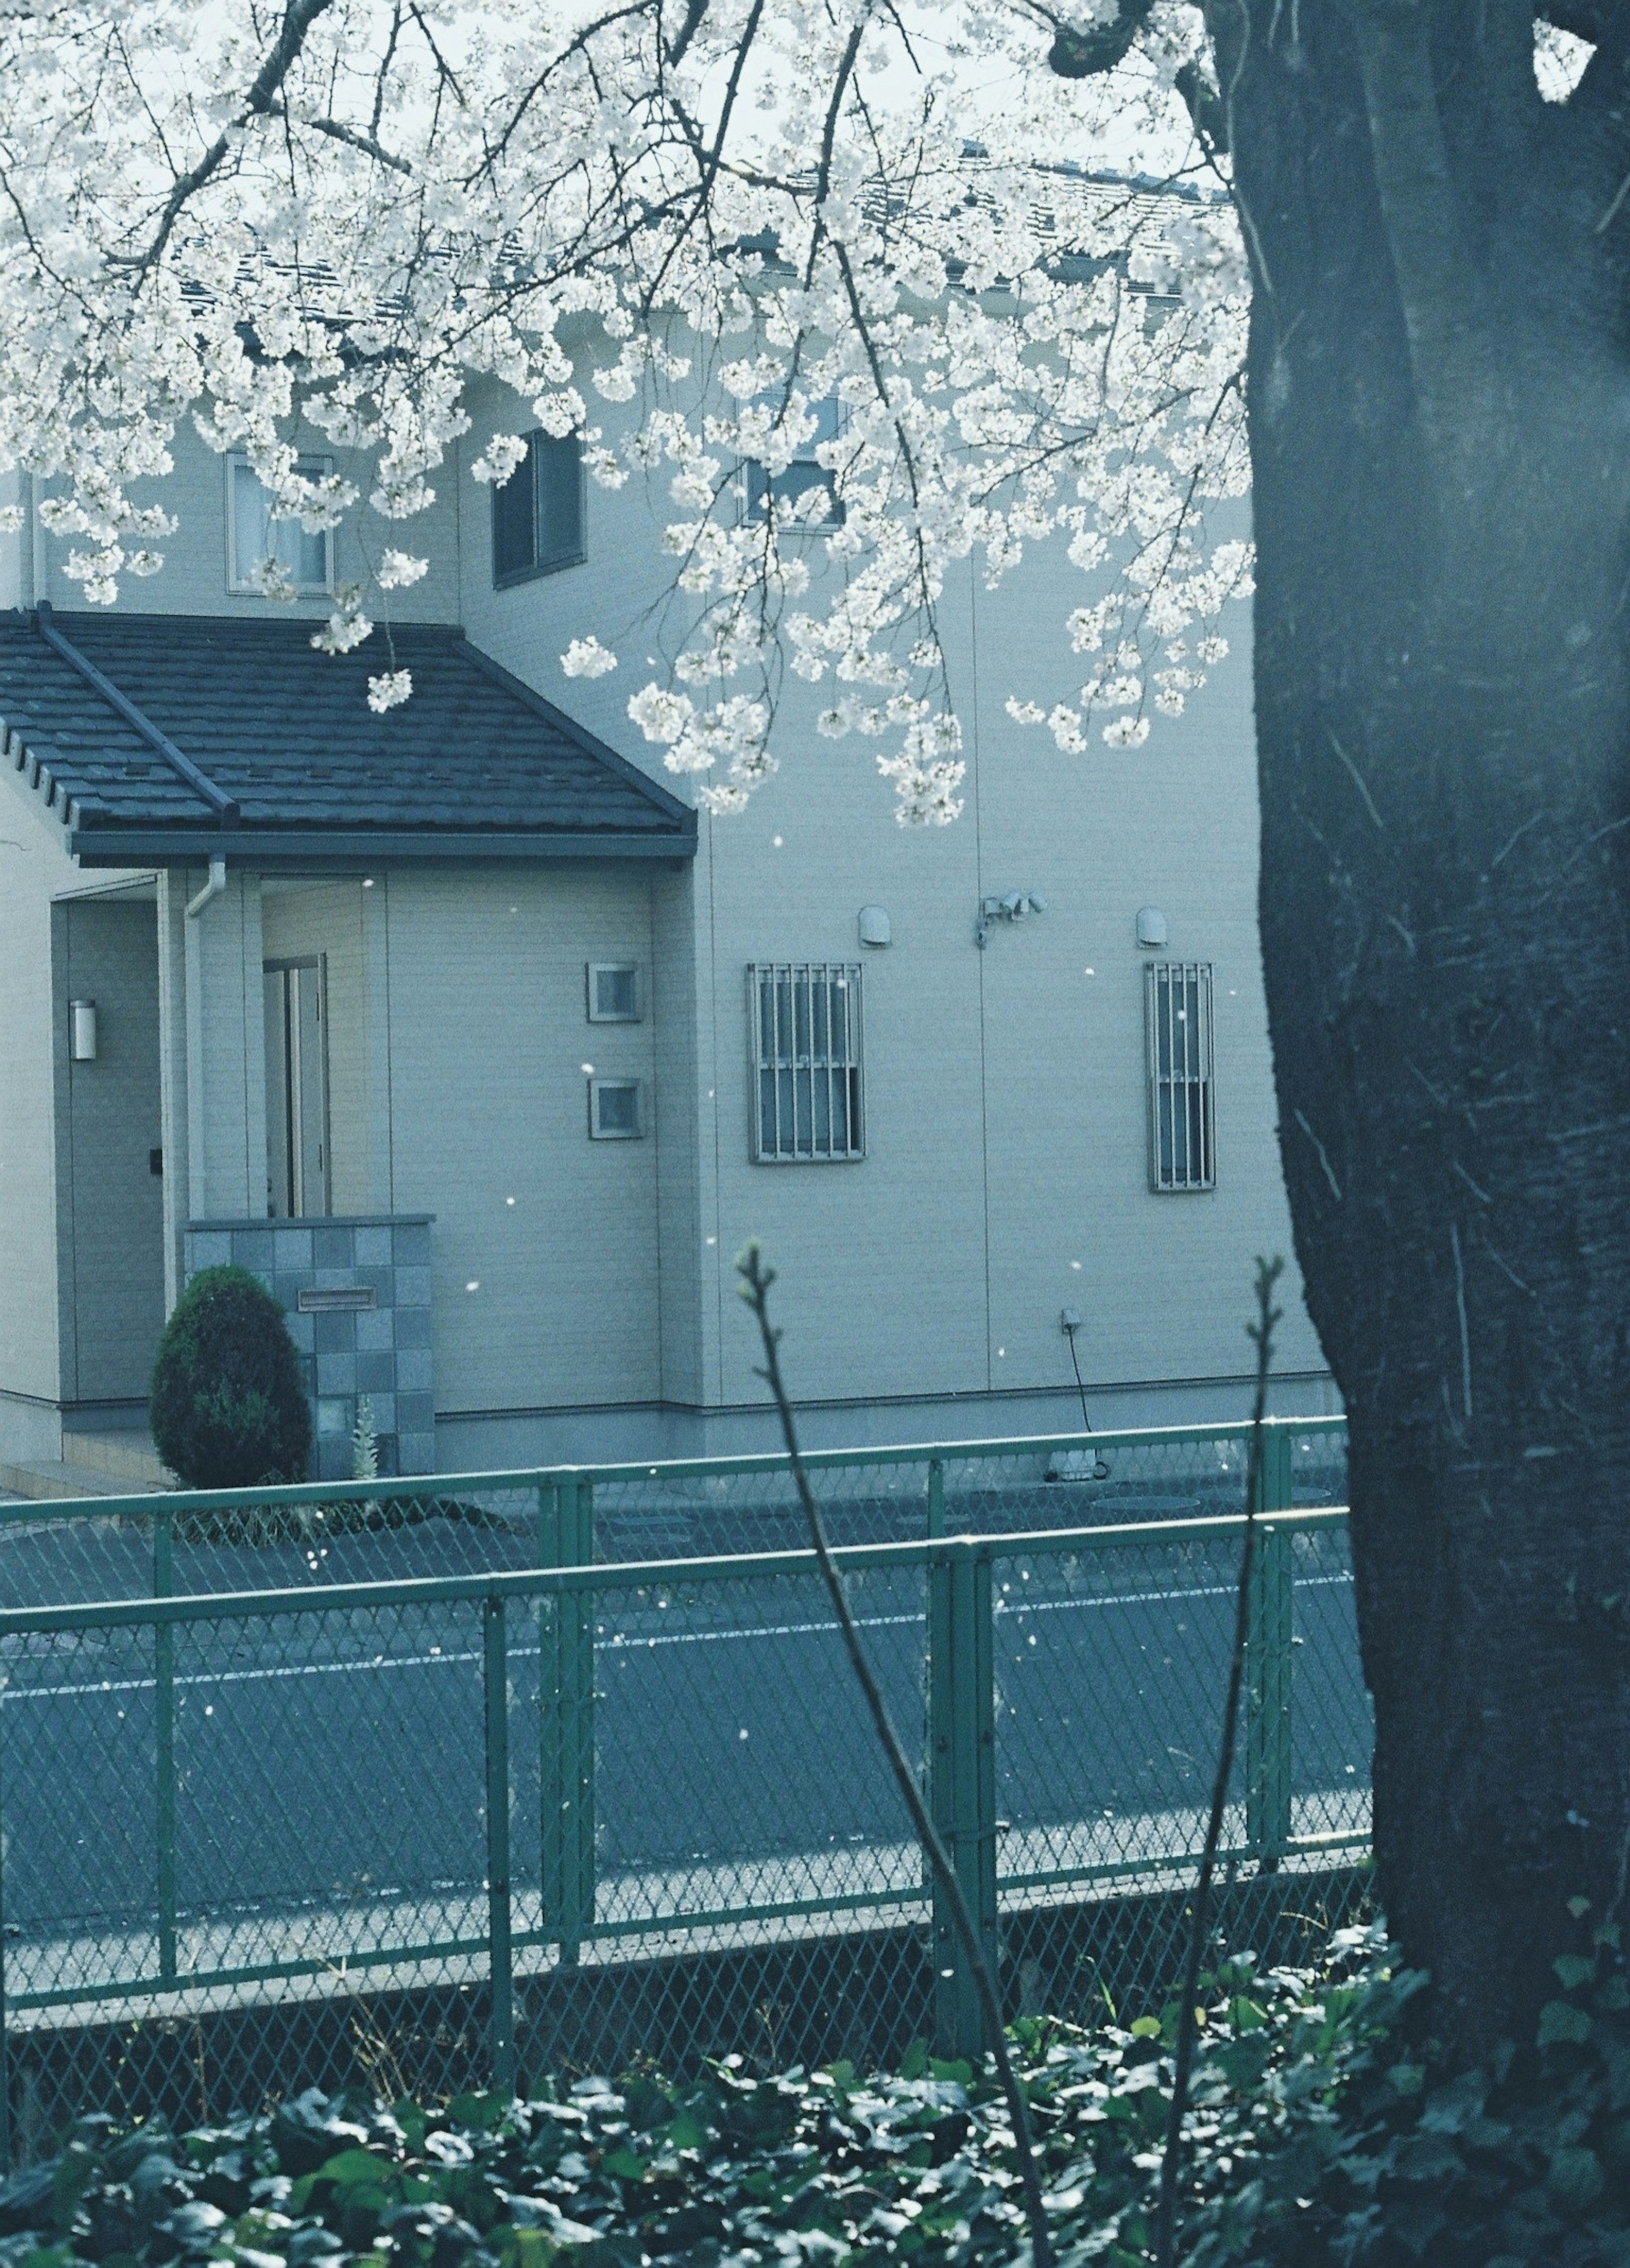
pixel 82 1030
pixel 1017 906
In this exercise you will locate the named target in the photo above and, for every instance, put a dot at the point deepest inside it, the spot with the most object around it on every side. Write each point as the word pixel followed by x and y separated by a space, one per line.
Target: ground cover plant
pixel 271 1524
pixel 1320 2136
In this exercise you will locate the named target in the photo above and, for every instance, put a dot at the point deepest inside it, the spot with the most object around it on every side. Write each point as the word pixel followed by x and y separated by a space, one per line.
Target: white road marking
pixel 619 1643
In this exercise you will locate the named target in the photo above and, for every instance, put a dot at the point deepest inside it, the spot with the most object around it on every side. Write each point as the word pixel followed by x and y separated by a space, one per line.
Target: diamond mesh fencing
pixel 1110 1666
pixel 207 1545
pixel 429 1836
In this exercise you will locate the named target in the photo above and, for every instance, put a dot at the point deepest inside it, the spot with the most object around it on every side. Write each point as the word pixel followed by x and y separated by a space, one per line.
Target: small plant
pixel 365 1443
pixel 228 1406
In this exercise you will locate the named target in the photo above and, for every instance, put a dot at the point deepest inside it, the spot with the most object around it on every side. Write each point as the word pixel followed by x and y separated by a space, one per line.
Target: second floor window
pixel 537 515
pixel 806 485
pixel 262 552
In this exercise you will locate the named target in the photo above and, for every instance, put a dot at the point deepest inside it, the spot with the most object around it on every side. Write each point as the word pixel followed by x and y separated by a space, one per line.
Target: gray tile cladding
pixel 384 1350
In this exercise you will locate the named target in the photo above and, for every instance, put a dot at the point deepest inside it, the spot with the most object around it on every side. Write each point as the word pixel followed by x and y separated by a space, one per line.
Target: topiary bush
pixel 228 1406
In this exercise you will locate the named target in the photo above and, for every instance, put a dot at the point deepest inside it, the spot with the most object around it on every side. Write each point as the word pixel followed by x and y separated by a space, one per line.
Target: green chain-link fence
pixel 138 1546
pixel 437 1832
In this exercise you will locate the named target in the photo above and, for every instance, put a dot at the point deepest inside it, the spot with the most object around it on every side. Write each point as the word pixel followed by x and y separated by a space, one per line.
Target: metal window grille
pixel 805 1018
pixel 1183 1129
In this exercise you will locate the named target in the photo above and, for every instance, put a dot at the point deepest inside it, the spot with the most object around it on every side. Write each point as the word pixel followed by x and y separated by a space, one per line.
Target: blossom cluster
pixel 857 321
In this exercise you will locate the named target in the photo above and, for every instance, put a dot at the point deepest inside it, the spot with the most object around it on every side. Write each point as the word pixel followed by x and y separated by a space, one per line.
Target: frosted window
pixel 256 537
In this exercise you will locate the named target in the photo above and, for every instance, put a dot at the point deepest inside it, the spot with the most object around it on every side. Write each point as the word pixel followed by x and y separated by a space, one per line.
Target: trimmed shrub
pixel 228 1406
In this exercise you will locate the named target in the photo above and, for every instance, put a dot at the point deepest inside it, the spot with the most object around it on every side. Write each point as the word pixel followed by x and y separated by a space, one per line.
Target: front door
pixel 297 1088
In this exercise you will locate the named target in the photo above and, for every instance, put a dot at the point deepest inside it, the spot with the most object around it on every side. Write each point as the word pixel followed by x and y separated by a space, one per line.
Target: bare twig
pixel 1261 1333
pixel 754 1282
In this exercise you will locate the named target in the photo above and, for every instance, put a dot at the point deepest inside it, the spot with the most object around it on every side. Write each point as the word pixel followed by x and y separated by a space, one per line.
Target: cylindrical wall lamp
pixel 82 1030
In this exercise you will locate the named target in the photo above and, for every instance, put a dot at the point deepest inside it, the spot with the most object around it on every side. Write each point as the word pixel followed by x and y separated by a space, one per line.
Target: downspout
pixel 212 889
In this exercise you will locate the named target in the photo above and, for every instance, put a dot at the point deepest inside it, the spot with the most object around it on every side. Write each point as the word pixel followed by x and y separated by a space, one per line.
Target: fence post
pixel 566 1717
pixel 936 1498
pixel 962 1782
pixel 500 1958
pixel 1270 1663
pixel 163 1741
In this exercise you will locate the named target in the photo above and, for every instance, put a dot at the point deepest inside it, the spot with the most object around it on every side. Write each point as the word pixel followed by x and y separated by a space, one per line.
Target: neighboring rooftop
pixel 474 764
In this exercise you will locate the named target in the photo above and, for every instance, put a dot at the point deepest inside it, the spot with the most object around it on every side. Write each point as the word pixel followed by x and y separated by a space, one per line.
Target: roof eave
pixel 260 848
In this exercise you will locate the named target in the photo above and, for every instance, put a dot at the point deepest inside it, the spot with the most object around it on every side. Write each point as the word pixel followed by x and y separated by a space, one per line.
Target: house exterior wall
pixel 30 1040
pixel 225 1047
pixel 584 1299
pixel 194 578
pixel 545 1242
pixel 1006 1170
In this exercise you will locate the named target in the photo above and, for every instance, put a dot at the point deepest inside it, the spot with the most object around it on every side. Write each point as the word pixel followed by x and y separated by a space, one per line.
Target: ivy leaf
pixel 1575 2180
pixel 1573 1970
pixel 1428 2158
pixel 1561 2024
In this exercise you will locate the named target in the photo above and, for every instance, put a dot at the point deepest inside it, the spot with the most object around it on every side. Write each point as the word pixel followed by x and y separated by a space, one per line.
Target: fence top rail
pixel 633 1575
pixel 518 1478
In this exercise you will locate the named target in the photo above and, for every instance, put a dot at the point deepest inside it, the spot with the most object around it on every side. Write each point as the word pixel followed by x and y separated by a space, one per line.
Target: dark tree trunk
pixel 1440 414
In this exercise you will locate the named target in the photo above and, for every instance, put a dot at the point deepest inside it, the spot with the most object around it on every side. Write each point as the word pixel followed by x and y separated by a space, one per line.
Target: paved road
pixel 323 1758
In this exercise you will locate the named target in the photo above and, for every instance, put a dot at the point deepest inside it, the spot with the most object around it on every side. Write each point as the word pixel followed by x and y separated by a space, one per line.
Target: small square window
pixel 613 1112
pixel 537 515
pixel 613 992
pixel 261 549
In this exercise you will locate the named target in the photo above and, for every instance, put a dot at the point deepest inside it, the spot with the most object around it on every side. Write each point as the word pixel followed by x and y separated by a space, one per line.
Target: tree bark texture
pixel 1439 418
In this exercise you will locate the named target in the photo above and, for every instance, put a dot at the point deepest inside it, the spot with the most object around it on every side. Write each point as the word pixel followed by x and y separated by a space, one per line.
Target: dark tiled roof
pixel 473 758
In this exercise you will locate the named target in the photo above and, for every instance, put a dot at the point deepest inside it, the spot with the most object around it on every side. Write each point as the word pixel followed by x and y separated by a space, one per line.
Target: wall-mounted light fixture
pixel 1017 906
pixel 82 1030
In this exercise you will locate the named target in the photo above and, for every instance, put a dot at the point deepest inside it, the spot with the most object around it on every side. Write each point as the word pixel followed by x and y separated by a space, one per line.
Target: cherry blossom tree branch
pixel 299 16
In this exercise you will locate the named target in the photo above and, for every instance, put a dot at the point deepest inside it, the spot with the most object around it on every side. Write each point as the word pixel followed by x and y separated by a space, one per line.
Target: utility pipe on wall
pixel 212 889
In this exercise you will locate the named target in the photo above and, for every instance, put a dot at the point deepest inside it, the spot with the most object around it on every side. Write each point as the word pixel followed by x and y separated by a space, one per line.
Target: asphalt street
pixel 322 1758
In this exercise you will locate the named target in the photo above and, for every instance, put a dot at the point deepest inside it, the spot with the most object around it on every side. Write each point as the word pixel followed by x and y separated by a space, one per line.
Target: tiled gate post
pixel 356 1290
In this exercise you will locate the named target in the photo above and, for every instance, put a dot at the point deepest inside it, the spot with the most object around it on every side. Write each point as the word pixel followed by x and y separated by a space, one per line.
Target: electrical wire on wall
pixel 1070 1323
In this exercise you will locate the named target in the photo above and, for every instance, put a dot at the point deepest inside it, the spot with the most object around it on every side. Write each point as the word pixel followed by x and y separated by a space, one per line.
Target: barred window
pixel 1183 1131
pixel 806 1025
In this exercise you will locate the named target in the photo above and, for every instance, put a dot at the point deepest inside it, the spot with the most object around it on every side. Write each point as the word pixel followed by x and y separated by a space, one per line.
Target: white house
pixel 459 1025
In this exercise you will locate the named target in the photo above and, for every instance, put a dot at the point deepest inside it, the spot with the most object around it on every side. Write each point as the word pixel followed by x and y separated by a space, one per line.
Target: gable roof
pixel 143 732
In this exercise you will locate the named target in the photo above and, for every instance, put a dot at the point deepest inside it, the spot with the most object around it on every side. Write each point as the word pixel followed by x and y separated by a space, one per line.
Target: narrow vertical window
pixel 805 1019
pixel 537 515
pixel 1183 1131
